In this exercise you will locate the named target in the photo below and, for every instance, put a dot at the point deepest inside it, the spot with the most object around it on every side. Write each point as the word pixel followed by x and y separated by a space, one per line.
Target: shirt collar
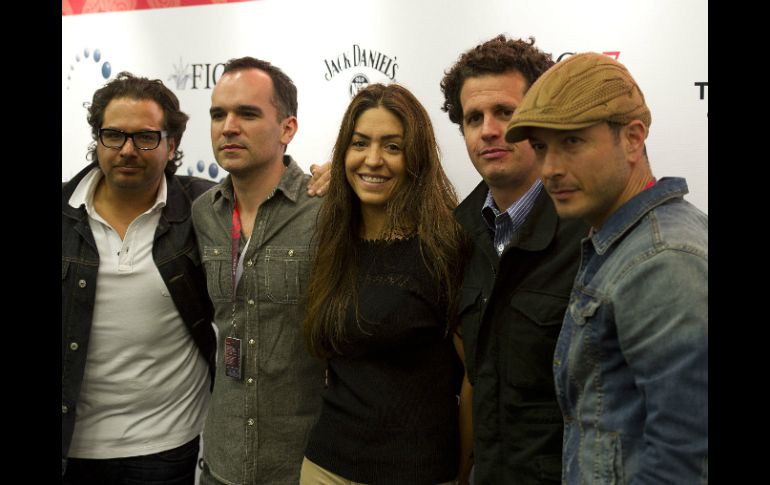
pixel 517 211
pixel 627 215
pixel 290 184
pixel 83 195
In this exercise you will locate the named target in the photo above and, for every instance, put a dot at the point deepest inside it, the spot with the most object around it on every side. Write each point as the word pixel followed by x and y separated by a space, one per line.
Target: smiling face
pixel 488 102
pixel 374 161
pixel 128 169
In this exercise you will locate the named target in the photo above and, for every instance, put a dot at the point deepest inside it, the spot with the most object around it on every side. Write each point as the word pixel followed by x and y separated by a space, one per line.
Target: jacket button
pixel 82 283
pixel 74 346
pixel 250 422
pixel 291 252
pixel 251 302
pixel 251 341
pixel 249 263
pixel 64 409
pixel 216 252
pixel 250 380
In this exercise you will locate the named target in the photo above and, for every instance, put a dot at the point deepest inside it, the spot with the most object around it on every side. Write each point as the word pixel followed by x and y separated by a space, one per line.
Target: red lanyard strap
pixel 236 237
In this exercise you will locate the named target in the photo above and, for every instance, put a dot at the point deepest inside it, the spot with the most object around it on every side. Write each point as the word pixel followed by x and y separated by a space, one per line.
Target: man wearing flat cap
pixel 631 362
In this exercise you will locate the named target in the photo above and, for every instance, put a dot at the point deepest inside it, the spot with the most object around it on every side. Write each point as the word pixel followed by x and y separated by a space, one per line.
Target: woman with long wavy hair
pixel 380 301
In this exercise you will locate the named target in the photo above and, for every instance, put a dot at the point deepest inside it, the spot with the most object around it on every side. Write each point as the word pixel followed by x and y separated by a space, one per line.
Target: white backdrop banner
pixel 330 48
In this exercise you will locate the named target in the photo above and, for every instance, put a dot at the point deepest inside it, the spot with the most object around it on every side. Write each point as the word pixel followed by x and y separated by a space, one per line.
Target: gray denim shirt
pixel 257 427
pixel 631 363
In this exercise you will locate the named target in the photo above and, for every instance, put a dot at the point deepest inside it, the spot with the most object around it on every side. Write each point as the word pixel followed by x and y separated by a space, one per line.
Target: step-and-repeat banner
pixel 330 48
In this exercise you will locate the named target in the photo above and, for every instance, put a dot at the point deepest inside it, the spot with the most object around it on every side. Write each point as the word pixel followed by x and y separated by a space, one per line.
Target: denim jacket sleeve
pixel 661 311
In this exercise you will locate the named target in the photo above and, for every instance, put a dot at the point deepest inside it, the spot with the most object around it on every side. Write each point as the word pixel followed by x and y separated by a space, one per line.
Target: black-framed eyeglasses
pixel 143 140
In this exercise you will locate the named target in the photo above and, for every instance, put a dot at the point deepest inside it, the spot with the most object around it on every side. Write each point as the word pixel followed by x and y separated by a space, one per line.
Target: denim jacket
pixel 631 363
pixel 257 426
pixel 176 255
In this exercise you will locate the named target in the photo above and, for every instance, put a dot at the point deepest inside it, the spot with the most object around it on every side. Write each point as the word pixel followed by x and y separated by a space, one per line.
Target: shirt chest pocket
pixel 530 332
pixel 582 308
pixel 583 323
pixel 217 263
pixel 286 273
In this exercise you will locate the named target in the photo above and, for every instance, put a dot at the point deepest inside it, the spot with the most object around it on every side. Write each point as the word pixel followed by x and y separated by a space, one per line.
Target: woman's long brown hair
pixel 422 205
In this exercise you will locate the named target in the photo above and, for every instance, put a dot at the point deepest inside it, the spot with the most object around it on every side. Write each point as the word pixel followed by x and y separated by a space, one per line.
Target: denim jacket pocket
pixel 193 255
pixel 610 459
pixel 286 273
pixel 217 262
pixel 583 308
pixel 580 352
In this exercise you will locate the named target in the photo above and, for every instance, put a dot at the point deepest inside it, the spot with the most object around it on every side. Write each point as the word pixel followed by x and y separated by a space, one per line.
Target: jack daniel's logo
pixel 360 57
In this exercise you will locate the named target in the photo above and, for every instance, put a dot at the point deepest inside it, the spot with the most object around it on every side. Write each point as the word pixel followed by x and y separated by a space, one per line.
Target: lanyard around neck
pixel 236 238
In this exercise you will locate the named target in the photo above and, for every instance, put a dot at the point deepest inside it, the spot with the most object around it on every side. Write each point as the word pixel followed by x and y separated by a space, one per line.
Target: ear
pixel 171 147
pixel 288 129
pixel 634 135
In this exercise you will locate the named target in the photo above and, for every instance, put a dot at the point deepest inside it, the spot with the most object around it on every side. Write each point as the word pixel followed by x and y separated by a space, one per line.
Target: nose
pixel 230 126
pixel 550 165
pixel 491 128
pixel 128 147
pixel 373 156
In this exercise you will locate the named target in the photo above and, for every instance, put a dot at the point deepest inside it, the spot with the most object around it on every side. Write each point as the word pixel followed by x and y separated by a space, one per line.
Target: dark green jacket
pixel 511 311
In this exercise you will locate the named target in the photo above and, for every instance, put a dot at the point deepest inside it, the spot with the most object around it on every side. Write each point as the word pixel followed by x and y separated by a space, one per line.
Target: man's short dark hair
pixel 284 91
pixel 126 85
pixel 495 56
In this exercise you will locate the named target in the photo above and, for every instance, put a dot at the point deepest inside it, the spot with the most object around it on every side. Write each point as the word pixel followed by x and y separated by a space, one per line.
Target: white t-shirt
pixel 146 386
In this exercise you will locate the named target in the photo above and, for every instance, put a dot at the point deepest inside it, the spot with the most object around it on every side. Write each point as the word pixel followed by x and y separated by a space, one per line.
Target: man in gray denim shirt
pixel 631 363
pixel 267 388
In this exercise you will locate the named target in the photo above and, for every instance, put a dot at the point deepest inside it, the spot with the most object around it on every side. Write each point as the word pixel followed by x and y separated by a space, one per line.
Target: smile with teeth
pixel 373 179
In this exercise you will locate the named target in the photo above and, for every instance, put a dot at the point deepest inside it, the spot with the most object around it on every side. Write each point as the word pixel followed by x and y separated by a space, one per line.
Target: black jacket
pixel 176 255
pixel 511 311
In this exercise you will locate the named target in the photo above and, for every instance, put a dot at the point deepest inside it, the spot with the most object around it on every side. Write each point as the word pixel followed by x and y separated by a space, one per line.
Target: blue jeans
pixel 170 467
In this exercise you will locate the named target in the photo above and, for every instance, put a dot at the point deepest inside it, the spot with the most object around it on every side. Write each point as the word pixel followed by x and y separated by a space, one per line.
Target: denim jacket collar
pixel 68 188
pixel 290 184
pixel 178 203
pixel 626 217
pixel 175 210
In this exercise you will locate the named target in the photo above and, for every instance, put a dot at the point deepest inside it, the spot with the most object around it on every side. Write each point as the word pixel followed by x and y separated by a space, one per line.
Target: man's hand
pixel 319 183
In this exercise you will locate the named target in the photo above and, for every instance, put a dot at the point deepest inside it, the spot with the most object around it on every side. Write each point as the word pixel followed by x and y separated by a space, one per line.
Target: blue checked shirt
pixel 504 224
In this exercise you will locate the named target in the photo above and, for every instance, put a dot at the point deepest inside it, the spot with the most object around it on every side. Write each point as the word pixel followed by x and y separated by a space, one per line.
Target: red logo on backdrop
pixel 76 7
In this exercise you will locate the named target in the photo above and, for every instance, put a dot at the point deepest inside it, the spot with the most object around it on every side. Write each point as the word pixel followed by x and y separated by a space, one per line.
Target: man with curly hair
pixel 137 341
pixel 518 278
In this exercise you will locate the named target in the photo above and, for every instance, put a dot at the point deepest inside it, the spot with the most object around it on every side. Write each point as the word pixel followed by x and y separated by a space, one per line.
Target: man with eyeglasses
pixel 137 341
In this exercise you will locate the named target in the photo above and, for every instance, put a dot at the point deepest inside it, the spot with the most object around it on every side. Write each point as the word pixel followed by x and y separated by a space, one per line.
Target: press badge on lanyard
pixel 233 356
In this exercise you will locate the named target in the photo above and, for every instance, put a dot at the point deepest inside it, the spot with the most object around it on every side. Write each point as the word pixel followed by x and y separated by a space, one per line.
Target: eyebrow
pixel 241 108
pixel 384 137
pixel 494 108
